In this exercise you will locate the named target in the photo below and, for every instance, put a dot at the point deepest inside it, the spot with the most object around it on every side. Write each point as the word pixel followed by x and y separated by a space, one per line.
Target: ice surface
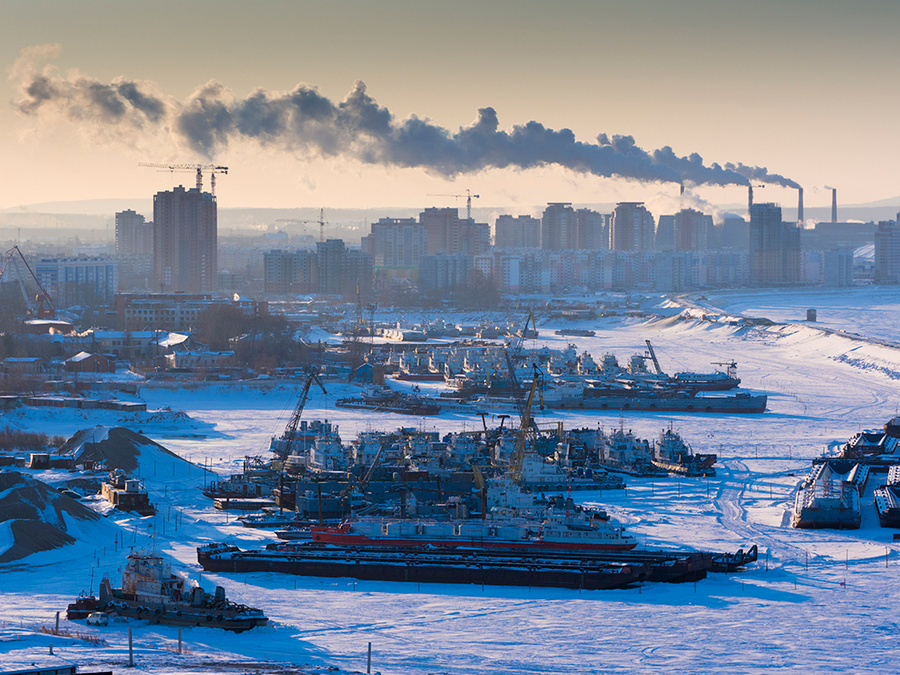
pixel 817 601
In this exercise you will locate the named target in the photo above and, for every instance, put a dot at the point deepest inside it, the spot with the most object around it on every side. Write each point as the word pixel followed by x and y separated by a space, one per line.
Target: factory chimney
pixel 749 199
pixel 800 206
pixel 833 205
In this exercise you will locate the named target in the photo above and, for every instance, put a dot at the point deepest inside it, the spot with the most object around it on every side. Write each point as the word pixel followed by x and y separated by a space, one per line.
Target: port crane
pixel 212 169
pixel 469 197
pixel 290 430
pixel 526 424
pixel 653 358
pixel 42 305
pixel 321 223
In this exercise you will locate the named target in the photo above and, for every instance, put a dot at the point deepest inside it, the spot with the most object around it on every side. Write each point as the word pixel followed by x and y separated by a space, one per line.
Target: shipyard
pixel 437 339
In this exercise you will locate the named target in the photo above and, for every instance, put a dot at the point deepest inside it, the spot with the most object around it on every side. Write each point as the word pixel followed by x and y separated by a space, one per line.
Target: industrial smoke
pixel 305 122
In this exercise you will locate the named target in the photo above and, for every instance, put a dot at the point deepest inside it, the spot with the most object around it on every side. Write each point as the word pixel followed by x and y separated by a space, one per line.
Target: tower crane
pixel 469 197
pixel 321 222
pixel 198 168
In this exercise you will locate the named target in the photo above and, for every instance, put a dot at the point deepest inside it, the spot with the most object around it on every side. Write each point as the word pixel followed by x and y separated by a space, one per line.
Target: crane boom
pixel 213 169
pixel 518 456
pixel 469 197
pixel 290 430
pixel 653 358
pixel 321 223
pixel 44 309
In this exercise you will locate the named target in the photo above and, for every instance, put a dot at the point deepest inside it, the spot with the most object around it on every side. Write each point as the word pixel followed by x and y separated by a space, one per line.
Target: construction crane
pixel 290 431
pixel 469 197
pixel 653 358
pixel 42 305
pixel 321 222
pixel 198 168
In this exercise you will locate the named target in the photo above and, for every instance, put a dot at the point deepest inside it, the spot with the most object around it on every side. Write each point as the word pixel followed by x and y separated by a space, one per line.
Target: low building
pixel 85 362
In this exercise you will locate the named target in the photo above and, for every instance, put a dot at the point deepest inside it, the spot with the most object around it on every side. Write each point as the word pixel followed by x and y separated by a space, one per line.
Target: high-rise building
pixel 517 232
pixel 290 272
pixel 395 242
pixel 134 250
pixel 557 226
pixel 78 280
pixel 887 252
pixel 774 247
pixel 134 236
pixel 591 230
pixel 185 241
pixel 342 271
pixel 446 233
pixel 691 230
pixel 632 228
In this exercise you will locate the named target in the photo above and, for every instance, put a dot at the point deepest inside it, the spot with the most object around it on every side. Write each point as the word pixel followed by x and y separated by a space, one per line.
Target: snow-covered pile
pixel 115 448
pixel 35 517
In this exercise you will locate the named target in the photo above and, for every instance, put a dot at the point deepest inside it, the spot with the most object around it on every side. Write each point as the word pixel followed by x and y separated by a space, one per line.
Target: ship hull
pixel 336 538
pixel 699 404
pixel 173 613
pixel 428 567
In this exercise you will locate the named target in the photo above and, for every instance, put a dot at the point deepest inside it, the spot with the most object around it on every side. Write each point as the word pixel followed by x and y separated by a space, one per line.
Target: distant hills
pixel 94 219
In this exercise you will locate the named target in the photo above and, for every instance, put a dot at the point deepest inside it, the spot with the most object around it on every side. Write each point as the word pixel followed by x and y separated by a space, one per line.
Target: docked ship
pixel 829 496
pixel 672 454
pixel 385 399
pixel 152 593
pixel 887 504
pixel 572 530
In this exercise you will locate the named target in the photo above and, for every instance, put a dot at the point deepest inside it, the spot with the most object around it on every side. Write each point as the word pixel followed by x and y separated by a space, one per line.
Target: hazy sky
pixel 806 88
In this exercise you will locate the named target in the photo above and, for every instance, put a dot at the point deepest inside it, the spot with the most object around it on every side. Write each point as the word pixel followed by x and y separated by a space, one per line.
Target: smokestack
pixel 749 199
pixel 800 206
pixel 833 205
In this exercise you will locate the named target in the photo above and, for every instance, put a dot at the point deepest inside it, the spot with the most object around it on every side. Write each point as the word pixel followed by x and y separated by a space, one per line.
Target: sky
pixel 398 103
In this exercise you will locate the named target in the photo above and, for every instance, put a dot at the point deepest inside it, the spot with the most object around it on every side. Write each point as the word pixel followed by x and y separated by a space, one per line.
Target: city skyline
pixel 780 87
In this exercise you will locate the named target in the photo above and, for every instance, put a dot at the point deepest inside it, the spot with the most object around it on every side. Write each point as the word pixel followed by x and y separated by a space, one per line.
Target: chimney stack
pixel 833 205
pixel 800 206
pixel 749 199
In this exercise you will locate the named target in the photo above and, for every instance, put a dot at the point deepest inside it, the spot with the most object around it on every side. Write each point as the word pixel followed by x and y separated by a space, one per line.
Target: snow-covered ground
pixel 818 600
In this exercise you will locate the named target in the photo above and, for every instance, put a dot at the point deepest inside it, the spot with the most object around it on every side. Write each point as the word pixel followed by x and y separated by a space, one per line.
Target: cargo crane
pixel 515 344
pixel 518 456
pixel 469 197
pixel 42 305
pixel 321 222
pixel 198 168
pixel 290 431
pixel 653 358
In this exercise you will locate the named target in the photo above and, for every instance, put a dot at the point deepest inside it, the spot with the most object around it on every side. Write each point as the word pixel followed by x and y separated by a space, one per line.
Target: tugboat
pixel 672 454
pixel 151 592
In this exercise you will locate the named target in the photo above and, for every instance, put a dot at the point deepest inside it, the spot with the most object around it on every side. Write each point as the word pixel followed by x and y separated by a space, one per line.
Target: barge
pixel 424 566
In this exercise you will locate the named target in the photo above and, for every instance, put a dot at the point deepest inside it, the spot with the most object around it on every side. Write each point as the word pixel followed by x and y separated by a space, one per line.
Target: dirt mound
pixel 33 536
pixel 117 447
pixel 35 512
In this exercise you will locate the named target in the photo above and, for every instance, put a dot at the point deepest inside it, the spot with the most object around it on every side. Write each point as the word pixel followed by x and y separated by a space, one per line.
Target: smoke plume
pixel 307 123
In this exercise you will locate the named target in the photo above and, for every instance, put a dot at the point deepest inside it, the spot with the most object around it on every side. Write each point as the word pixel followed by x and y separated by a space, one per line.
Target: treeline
pixel 28 441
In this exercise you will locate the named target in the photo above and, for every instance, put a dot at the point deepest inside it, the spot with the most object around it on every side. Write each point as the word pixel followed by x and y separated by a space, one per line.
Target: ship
pixel 829 496
pixel 152 593
pixel 672 454
pixel 575 529
pixel 385 399
pixel 492 567
pixel 887 504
